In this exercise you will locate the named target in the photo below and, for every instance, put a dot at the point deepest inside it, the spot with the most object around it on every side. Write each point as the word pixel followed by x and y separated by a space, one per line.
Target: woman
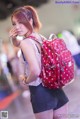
pixel 46 103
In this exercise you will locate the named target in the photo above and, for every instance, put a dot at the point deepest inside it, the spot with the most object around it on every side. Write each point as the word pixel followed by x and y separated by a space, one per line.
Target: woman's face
pixel 20 27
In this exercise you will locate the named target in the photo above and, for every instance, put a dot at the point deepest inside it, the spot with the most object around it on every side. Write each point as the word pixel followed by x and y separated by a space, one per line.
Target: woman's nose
pixel 17 26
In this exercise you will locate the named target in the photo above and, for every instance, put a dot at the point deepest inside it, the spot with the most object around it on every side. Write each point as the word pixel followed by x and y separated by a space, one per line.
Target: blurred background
pixel 59 18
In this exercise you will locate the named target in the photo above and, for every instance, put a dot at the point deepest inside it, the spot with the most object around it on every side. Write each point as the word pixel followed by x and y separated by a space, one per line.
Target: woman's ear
pixel 31 22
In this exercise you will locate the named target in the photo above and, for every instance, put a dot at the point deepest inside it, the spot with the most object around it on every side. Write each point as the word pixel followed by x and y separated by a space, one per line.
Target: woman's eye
pixel 13 24
pixel 19 22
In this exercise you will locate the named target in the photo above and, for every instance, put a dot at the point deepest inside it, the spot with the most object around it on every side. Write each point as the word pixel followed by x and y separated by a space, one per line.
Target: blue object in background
pixel 4 93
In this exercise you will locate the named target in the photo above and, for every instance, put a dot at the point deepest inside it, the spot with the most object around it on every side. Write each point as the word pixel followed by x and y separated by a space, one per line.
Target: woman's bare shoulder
pixel 26 42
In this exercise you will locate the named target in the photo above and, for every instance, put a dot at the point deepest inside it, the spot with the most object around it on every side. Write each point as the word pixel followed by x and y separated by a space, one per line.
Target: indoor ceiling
pixel 7 6
pixel 54 18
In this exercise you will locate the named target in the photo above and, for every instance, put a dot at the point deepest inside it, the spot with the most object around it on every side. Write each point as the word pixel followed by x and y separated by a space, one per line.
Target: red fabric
pixel 57 63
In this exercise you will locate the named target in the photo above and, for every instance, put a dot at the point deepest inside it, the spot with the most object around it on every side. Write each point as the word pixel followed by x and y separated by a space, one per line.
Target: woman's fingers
pixel 22 79
pixel 13 32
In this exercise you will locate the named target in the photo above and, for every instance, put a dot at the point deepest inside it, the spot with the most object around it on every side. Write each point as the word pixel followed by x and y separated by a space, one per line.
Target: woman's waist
pixel 36 82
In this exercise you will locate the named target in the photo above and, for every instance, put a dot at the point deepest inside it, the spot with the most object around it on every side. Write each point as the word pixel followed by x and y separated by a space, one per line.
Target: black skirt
pixel 43 99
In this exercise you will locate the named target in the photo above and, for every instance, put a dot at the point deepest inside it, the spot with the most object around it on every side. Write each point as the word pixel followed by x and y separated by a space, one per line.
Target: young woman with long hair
pixel 46 103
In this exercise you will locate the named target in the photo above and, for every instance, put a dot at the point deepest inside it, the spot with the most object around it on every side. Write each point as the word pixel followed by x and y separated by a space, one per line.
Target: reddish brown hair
pixel 24 14
pixel 36 22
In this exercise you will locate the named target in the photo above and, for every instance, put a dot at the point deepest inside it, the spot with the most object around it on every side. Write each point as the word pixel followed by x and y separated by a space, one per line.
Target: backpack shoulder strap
pixel 36 39
pixel 52 36
pixel 23 56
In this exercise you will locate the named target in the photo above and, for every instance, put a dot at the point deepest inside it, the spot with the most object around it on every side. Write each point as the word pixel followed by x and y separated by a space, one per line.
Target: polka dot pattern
pixel 57 64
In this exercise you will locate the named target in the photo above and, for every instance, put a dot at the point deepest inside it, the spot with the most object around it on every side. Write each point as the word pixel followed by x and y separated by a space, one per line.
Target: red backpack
pixel 57 63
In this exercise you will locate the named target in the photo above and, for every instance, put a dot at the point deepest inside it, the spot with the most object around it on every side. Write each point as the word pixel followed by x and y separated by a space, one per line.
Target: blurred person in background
pixel 12 60
pixel 73 46
pixel 16 66
pixel 5 87
pixel 46 103
pixel 9 60
pixel 6 56
pixel 13 64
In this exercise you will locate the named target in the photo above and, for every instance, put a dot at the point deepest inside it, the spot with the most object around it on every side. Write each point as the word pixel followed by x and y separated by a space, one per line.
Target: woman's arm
pixel 21 65
pixel 30 57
